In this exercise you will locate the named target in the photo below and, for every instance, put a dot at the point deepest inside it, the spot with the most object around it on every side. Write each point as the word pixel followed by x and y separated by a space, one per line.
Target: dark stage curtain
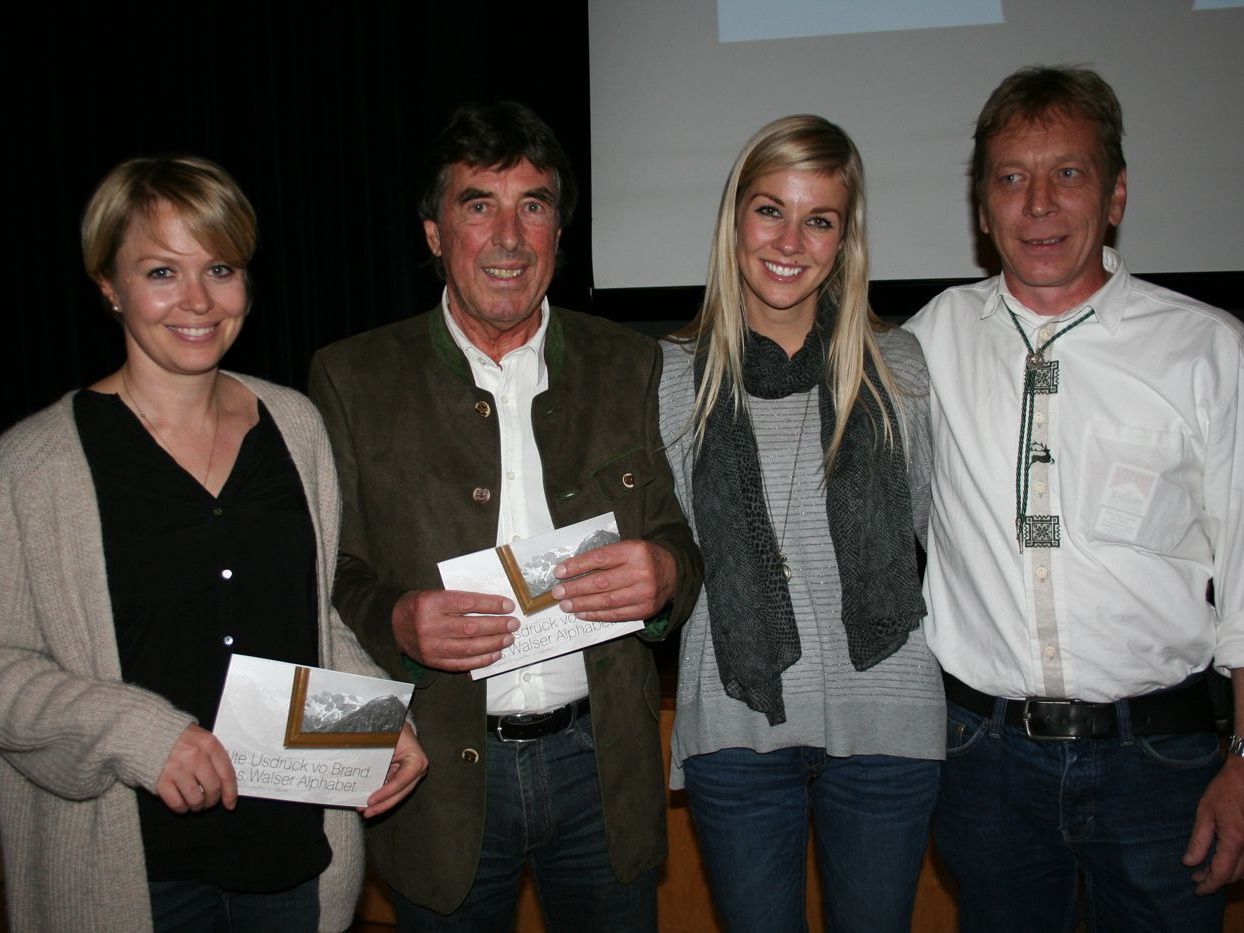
pixel 320 110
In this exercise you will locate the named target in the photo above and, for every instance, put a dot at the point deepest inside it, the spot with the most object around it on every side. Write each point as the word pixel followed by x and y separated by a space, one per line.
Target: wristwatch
pixel 1235 746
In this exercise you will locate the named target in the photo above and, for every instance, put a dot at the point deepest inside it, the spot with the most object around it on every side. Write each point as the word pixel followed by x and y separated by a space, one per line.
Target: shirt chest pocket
pixel 1138 487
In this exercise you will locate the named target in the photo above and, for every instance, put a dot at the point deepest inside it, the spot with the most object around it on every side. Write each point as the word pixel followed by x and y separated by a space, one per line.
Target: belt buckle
pixel 501 726
pixel 1027 719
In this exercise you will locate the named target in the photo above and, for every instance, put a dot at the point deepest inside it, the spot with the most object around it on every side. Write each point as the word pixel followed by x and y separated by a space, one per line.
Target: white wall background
pixel 672 105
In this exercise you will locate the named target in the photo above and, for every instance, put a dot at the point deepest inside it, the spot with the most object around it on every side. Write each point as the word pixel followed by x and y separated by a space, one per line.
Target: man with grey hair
pixel 1087 487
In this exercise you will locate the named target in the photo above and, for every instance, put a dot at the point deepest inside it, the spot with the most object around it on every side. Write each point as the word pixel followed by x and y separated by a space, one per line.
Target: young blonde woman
pixel 796 426
pixel 151 526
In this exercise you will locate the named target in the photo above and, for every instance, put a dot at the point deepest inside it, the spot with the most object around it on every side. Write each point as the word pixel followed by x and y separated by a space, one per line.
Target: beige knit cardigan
pixel 74 739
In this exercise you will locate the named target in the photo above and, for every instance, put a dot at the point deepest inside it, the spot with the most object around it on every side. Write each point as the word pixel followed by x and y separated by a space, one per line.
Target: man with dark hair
pixel 499 135
pixel 492 418
pixel 1067 571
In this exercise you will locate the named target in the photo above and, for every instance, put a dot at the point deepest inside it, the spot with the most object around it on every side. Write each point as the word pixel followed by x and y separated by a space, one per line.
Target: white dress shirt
pixel 514 383
pixel 1145 481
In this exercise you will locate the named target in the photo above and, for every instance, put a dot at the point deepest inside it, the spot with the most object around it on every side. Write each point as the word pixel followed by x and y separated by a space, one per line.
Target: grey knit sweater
pixel 894 708
pixel 74 739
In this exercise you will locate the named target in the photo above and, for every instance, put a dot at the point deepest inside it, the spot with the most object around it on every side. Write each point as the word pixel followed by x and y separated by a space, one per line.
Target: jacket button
pixel 483 409
pixel 628 480
pixel 470 756
pixel 481 495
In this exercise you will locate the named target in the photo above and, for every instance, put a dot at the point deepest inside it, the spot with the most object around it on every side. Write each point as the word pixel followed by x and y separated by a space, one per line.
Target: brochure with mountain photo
pixel 523 571
pixel 309 734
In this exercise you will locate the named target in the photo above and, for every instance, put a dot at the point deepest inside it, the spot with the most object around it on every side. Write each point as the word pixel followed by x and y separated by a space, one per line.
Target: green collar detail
pixel 451 356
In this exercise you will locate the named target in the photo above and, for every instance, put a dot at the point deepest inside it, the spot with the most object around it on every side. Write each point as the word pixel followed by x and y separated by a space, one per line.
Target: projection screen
pixel 678 86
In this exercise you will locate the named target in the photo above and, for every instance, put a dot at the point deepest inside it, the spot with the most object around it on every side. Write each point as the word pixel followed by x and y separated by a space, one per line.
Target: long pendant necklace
pixel 1037 372
pixel 160 437
pixel 787 571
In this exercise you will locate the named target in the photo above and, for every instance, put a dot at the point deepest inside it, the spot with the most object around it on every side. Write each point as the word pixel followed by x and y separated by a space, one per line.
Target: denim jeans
pixel 544 809
pixel 871 819
pixel 1021 822
pixel 197 907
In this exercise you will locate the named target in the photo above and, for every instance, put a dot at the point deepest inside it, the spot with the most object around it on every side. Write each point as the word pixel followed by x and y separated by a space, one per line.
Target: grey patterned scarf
pixel 868 504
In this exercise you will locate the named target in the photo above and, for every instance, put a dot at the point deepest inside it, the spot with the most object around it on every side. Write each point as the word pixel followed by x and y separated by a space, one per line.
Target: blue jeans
pixel 197 907
pixel 1019 821
pixel 544 809
pixel 871 817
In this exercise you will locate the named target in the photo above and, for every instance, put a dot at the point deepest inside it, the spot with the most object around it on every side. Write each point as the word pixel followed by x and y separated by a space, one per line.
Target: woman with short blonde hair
pixel 152 525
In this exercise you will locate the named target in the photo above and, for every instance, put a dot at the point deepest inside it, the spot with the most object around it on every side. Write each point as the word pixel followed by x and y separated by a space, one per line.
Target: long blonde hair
pixel 802 142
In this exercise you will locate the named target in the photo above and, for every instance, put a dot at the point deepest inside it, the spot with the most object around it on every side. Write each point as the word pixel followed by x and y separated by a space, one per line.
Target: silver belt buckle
pixel 1027 719
pixel 500 733
pixel 534 720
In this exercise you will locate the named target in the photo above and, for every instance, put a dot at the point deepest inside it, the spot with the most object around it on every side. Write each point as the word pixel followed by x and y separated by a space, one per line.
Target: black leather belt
pixel 1177 710
pixel 528 726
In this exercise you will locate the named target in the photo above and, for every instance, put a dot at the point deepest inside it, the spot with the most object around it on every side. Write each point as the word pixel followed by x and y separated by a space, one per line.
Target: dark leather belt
pixel 529 726
pixel 1180 709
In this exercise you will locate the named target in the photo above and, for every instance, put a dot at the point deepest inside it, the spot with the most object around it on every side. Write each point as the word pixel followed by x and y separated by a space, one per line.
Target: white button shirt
pixel 1146 480
pixel 514 383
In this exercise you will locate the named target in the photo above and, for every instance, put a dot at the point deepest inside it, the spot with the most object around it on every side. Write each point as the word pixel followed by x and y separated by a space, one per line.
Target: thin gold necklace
pixel 160 437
